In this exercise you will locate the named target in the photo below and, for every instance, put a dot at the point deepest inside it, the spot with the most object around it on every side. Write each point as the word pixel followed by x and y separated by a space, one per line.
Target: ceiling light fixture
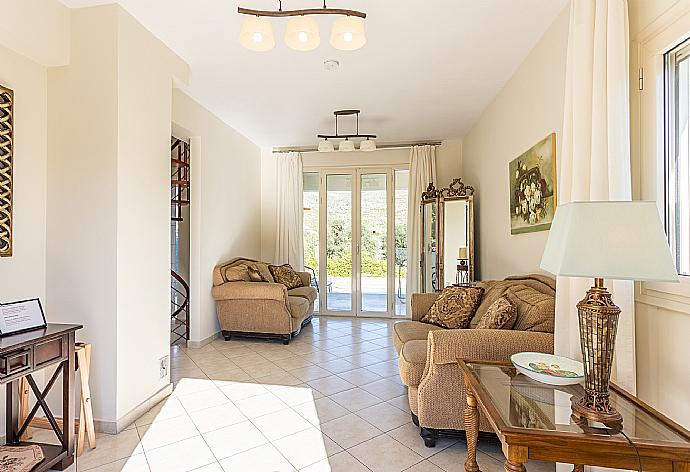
pixel 302 32
pixel 327 146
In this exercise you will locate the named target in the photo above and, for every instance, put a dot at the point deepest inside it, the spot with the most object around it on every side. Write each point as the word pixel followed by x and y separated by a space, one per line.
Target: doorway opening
pixel 179 241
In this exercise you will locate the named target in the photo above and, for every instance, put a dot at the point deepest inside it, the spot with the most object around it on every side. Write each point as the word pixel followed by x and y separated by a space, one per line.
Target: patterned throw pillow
pixel 455 307
pixel 254 274
pixel 285 275
pixel 500 315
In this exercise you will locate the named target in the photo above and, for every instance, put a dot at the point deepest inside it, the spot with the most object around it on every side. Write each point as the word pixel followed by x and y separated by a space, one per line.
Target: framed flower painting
pixel 533 187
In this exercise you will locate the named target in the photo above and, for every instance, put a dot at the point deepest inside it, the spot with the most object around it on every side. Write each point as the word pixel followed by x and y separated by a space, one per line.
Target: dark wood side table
pixel 21 355
pixel 532 421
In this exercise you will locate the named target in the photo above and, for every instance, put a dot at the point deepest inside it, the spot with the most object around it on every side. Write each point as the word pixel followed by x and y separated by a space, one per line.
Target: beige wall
pixel 225 213
pixel 23 275
pixel 448 167
pixel 528 108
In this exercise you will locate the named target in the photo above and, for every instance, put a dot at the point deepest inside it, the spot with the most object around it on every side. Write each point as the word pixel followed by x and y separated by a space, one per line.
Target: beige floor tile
pixel 293 362
pixel 319 356
pixel 183 456
pixel 320 411
pixel 188 386
pixel 293 396
pixel 385 389
pixel 341 462
pixel 202 400
pixel 402 402
pixel 350 430
pixel 248 360
pixel 229 374
pixel 215 467
pixel 280 424
pixel 306 447
pixel 309 373
pixel 260 405
pixel 164 410
pixel 355 399
pixel 240 390
pixel 384 416
pixel 231 440
pixel 331 385
pixel 453 457
pixel 264 458
pixel 217 417
pixel 425 466
pixel 359 376
pixel 162 433
pixel 408 435
pixel 111 448
pixel 395 459
pixel 135 463
pixel 384 369
pixel 336 366
pixel 278 380
pixel 262 370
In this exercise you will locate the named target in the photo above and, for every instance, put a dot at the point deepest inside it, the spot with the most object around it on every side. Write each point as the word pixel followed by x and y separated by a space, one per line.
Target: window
pixel 677 162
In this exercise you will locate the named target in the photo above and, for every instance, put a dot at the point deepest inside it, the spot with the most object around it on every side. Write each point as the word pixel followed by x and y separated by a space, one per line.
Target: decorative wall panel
pixel 6 138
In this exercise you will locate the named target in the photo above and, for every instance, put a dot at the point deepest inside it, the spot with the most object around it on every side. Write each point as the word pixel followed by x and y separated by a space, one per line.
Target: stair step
pixel 179 162
pixel 179 182
pixel 179 202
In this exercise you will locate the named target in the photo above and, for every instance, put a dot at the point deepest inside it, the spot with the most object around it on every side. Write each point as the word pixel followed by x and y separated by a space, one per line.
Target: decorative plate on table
pixel 20 458
pixel 548 369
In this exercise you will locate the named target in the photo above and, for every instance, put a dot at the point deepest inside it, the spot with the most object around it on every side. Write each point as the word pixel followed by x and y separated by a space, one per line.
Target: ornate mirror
pixel 447 236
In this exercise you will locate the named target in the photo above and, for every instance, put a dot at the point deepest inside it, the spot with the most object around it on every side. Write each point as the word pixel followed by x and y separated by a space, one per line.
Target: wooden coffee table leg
pixel 516 456
pixel 471 429
pixel 511 467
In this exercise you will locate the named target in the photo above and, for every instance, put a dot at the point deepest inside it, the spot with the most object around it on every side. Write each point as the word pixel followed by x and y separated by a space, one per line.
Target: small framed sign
pixel 24 315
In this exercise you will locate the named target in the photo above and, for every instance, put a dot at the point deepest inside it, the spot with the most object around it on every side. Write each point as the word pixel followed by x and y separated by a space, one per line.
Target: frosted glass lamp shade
pixel 302 34
pixel 347 33
pixel 611 240
pixel 346 146
pixel 256 34
pixel 326 146
pixel 367 145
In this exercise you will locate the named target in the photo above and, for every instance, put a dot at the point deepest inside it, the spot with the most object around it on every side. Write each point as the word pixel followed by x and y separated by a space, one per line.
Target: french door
pixel 356 239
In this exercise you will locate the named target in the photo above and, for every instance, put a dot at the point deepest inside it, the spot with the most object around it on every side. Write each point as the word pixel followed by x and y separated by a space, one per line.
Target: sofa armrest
pixel 250 291
pixel 446 346
pixel 420 304
pixel 306 278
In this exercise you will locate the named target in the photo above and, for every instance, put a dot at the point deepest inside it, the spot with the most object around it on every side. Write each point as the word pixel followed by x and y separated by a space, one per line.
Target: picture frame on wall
pixel 533 187
pixel 6 158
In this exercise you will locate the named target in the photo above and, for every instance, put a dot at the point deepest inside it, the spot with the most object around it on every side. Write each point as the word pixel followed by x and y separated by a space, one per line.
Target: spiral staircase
pixel 179 197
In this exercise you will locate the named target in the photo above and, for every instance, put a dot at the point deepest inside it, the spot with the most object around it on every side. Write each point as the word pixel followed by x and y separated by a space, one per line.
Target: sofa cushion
pixel 412 361
pixel 265 273
pixel 536 310
pixel 237 273
pixel 455 307
pixel 309 293
pixel 405 331
pixel 285 275
pixel 254 274
pixel 299 307
pixel 500 315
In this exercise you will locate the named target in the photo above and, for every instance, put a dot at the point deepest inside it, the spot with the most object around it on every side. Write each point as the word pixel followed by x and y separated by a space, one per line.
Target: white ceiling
pixel 428 70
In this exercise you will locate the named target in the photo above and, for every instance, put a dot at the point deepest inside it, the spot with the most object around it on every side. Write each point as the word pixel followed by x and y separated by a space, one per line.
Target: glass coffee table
pixel 533 422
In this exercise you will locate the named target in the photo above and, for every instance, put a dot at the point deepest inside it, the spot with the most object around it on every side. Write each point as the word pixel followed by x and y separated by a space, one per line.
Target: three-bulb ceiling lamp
pixel 346 145
pixel 302 34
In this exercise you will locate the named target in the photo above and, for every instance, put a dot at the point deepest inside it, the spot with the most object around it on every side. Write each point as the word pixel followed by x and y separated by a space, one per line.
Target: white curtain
pixel 595 157
pixel 422 173
pixel 289 210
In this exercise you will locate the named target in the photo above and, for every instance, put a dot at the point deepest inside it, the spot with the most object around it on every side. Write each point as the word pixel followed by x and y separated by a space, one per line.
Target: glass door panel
pixel 373 243
pixel 311 228
pixel 400 205
pixel 338 283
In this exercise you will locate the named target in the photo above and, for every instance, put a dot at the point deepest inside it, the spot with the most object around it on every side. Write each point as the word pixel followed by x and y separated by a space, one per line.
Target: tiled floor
pixel 330 401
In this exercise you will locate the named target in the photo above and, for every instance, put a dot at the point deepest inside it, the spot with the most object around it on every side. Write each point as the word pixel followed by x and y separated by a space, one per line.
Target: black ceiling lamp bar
pixel 338 113
pixel 305 11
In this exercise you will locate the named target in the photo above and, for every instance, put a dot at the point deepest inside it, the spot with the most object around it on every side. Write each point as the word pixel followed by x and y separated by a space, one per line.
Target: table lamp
pixel 605 240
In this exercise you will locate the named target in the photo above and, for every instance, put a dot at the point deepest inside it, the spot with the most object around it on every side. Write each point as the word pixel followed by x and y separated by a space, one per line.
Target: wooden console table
pixel 532 421
pixel 23 354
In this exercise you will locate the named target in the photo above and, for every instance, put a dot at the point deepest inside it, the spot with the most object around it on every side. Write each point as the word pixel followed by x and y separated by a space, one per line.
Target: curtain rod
pixel 309 149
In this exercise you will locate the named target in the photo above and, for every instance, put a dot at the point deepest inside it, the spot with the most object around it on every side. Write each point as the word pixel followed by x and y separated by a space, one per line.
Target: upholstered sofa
pixel 428 354
pixel 260 309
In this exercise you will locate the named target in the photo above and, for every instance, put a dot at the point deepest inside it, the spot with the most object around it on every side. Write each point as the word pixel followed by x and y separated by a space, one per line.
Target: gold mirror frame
pixel 6 140
pixel 457 190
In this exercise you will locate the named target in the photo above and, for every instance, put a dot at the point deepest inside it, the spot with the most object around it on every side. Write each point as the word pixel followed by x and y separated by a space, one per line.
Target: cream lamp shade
pixel 367 145
pixel 302 33
pixel 347 33
pixel 256 34
pixel 346 146
pixel 325 146
pixel 621 240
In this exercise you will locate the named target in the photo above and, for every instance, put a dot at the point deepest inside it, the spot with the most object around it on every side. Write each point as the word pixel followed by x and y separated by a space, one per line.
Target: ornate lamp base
pixel 598 317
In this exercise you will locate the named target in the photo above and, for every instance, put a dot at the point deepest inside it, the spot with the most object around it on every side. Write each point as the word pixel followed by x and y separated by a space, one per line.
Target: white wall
pixel 448 166
pixel 225 203
pixel 23 275
pixel 525 111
